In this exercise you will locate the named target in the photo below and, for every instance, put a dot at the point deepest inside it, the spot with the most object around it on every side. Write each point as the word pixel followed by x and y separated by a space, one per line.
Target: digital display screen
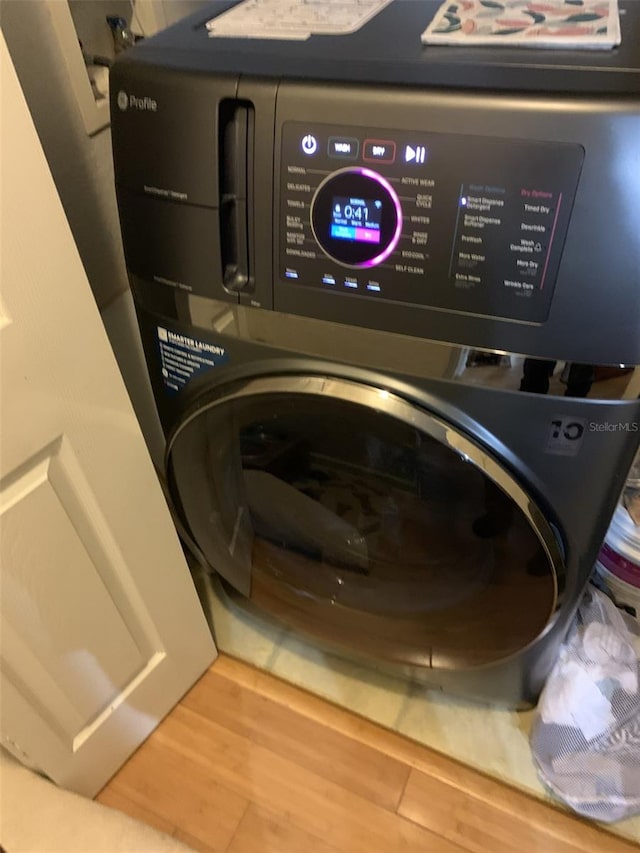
pixel 356 219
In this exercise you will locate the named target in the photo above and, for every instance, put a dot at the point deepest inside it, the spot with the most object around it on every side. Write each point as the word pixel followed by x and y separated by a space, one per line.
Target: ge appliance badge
pixel 133 102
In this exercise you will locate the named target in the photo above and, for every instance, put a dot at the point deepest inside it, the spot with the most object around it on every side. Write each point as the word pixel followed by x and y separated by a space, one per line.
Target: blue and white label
pixel 183 358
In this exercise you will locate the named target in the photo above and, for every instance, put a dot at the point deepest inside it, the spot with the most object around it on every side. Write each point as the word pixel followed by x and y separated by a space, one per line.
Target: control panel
pixel 464 223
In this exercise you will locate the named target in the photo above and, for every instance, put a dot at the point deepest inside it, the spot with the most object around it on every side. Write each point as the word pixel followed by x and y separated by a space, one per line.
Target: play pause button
pixel 415 154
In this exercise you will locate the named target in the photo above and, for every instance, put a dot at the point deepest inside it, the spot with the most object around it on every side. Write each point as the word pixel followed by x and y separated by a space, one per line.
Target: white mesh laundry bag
pixel 586 735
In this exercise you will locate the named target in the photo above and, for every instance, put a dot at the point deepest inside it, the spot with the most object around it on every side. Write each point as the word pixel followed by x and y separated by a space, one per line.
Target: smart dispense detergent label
pixel 183 358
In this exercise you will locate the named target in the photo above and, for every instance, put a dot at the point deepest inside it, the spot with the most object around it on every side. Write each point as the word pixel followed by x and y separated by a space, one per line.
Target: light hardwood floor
pixel 249 764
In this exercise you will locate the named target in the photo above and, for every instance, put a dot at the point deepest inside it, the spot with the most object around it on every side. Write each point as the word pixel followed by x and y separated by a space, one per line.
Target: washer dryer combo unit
pixel 389 298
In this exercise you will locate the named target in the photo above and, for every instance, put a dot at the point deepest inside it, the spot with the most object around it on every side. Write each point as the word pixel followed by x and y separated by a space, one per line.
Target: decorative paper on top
pixel 294 19
pixel 591 24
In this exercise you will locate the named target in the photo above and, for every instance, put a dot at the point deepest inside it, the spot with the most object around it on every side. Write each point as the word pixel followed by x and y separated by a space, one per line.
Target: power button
pixel 309 144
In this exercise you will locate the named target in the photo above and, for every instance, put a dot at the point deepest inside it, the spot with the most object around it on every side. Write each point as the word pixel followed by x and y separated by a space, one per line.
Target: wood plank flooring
pixel 249 764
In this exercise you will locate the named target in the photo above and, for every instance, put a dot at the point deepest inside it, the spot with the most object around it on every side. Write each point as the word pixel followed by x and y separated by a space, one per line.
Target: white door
pixel 102 631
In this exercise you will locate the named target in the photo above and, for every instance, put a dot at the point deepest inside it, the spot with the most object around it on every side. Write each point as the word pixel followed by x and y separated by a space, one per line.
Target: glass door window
pixel 354 515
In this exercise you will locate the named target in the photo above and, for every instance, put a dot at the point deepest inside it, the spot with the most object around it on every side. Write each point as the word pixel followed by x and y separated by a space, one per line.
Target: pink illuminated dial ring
pixel 356 217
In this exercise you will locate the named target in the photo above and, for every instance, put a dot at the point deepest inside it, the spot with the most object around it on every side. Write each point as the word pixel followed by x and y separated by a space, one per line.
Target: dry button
pixel 379 151
pixel 343 147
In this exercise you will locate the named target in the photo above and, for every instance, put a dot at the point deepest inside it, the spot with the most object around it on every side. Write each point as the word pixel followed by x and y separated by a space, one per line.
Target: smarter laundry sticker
pixel 182 358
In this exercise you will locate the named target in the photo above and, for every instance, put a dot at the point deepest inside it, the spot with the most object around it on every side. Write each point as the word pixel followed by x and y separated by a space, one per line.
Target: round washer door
pixel 355 516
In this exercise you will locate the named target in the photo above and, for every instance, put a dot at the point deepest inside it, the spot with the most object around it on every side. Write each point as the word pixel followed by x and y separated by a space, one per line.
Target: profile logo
pixel 123 100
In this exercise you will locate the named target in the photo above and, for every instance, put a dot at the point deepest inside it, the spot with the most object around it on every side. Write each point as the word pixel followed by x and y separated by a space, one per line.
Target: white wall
pixel 82 169
pixel 167 12
pixel 81 165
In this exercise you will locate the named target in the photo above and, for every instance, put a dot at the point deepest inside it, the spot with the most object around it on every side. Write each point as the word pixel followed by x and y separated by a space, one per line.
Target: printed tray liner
pixel 590 24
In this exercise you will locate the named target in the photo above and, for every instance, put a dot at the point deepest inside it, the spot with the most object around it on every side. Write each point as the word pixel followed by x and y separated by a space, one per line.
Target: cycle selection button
pixel 343 147
pixel 379 151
